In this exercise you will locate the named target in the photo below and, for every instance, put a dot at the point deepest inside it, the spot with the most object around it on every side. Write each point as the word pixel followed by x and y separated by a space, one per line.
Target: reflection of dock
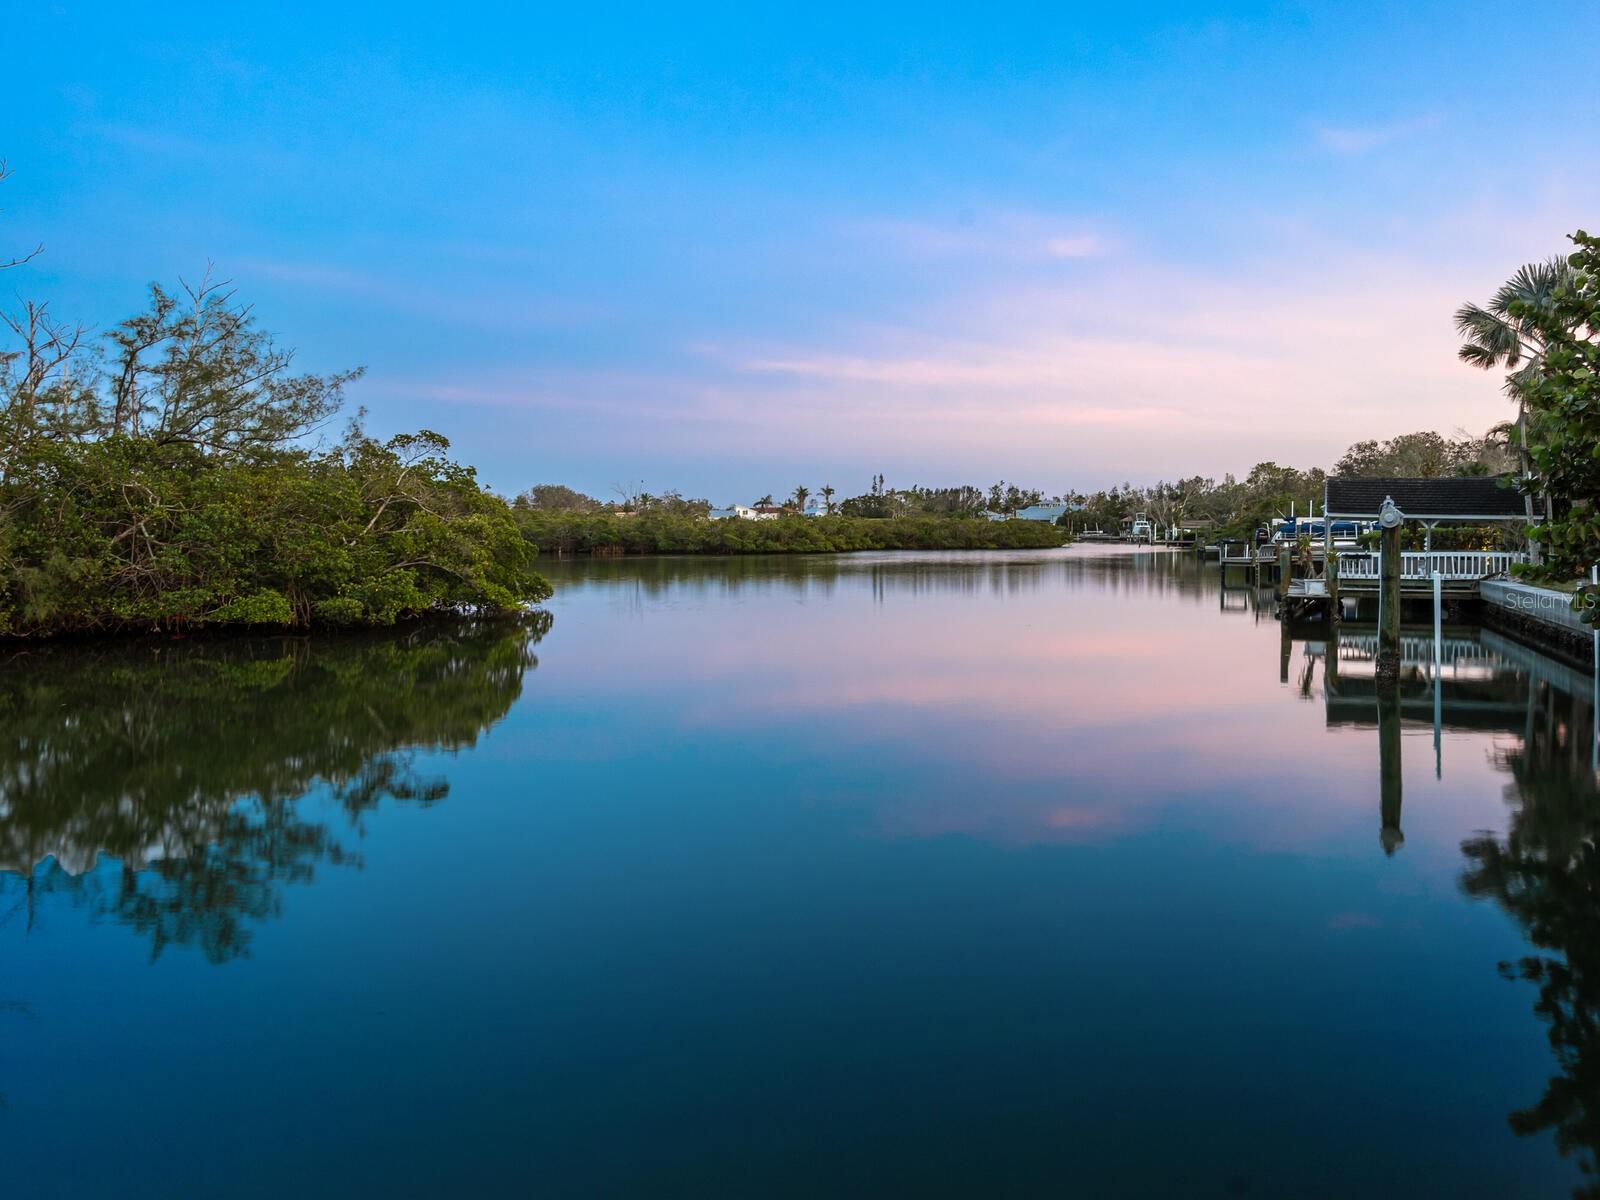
pixel 1477 685
pixel 1484 680
pixel 1465 680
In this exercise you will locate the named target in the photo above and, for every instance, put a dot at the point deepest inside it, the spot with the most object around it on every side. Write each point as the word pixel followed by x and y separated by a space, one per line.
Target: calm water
pixel 1058 874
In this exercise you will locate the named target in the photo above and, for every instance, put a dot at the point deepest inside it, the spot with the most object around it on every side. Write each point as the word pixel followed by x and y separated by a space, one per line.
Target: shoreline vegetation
pixel 173 476
pixel 603 533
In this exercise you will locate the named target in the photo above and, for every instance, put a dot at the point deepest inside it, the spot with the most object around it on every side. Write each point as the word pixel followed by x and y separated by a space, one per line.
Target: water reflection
pixel 1545 870
pixel 919 865
pixel 895 576
pixel 186 763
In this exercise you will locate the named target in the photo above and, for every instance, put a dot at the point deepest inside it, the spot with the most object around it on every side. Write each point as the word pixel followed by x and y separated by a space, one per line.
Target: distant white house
pixel 815 508
pixel 746 513
pixel 1034 512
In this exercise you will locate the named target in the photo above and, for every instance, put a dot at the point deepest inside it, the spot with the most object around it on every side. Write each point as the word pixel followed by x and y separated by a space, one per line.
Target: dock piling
pixel 1388 665
pixel 1332 574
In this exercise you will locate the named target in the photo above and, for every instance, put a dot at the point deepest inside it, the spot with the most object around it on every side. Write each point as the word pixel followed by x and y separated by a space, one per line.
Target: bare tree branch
pixel 5 171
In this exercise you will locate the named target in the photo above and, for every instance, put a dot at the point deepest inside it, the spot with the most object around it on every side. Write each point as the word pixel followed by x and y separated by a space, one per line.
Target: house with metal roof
pixel 1044 512
pixel 1465 500
pixel 1446 500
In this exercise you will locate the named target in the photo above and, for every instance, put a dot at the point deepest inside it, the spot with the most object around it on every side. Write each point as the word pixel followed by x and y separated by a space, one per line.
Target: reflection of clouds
pixel 1083 706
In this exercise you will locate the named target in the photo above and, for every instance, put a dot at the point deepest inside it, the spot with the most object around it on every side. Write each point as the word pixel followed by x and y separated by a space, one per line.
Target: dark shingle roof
pixel 1491 497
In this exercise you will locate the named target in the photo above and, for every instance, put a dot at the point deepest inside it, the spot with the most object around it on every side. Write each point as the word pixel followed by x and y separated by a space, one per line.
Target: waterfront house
pixel 1466 500
pixel 1044 512
pixel 746 513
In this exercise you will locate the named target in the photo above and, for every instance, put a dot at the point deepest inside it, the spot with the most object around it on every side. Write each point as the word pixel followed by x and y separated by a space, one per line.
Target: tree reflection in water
pixel 187 763
pixel 1546 873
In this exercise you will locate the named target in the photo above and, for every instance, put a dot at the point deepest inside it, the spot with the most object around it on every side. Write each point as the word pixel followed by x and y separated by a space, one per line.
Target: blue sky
pixel 734 249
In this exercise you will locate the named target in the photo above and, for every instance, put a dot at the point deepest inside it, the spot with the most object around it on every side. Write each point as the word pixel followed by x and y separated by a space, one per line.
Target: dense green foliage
pixel 665 533
pixel 556 497
pixel 164 484
pixel 964 500
pixel 1563 399
pixel 1430 456
pixel 188 761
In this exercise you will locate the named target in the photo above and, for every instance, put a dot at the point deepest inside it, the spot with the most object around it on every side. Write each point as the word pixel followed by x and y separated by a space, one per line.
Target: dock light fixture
pixel 1389 516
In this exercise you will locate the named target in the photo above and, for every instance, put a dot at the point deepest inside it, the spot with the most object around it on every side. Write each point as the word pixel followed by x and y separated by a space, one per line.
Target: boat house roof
pixel 1041 512
pixel 1467 498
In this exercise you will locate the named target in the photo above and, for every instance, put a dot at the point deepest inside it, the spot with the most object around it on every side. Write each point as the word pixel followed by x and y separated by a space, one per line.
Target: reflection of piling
pixel 1331 573
pixel 1388 664
pixel 1389 837
pixel 1285 651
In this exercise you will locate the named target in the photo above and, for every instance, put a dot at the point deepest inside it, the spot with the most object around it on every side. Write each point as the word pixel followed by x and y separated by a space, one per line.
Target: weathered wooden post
pixel 1388 664
pixel 1285 561
pixel 1332 575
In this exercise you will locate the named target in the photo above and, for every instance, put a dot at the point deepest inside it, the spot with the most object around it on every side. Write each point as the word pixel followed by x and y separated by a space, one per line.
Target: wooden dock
pixel 1311 587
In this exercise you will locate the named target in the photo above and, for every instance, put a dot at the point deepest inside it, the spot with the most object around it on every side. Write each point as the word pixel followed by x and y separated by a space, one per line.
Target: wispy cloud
pixel 1350 139
pixel 1083 383
pixel 1080 246
pixel 1006 236
pixel 1141 366
pixel 497 306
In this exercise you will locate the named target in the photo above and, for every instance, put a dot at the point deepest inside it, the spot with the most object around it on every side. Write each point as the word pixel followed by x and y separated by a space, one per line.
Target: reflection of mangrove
pixel 1546 874
pixel 898 574
pixel 187 762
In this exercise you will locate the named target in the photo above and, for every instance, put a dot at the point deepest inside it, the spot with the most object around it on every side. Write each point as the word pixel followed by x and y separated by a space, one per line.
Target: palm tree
pixel 765 501
pixel 827 497
pixel 801 494
pixel 1495 337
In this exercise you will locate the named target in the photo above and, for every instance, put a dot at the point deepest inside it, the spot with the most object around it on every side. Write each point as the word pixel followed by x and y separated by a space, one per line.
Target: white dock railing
pixel 1420 565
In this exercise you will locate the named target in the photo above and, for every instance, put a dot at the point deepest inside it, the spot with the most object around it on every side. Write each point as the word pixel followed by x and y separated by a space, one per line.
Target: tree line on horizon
pixel 879 500
pixel 1268 490
pixel 1238 506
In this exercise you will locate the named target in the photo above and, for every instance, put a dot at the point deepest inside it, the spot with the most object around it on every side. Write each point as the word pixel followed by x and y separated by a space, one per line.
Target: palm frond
pixel 1492 340
pixel 1475 355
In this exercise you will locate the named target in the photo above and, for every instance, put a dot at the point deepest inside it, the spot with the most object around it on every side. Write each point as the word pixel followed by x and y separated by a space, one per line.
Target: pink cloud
pixel 1139 366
